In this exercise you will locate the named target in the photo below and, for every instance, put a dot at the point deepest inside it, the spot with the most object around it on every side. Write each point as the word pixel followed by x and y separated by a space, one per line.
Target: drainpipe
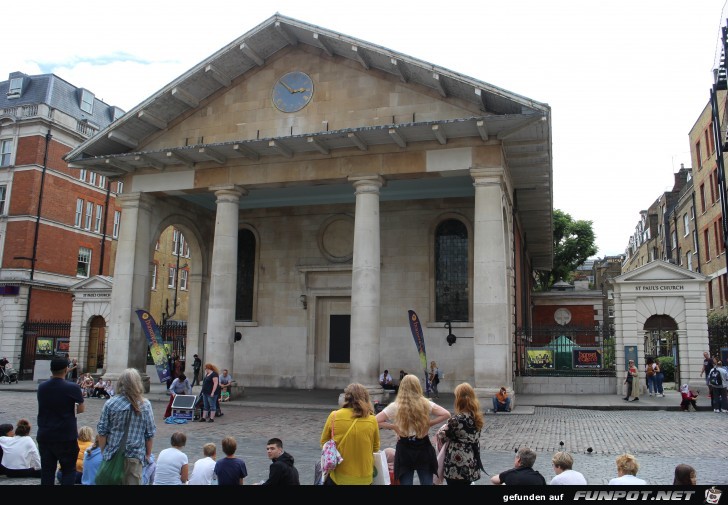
pixel 33 258
pixel 103 230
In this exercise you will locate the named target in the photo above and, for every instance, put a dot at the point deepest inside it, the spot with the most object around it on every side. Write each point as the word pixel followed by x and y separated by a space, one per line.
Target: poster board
pixel 583 358
pixel 542 359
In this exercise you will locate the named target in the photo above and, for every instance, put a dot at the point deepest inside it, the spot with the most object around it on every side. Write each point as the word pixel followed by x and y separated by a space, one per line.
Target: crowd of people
pixel 70 455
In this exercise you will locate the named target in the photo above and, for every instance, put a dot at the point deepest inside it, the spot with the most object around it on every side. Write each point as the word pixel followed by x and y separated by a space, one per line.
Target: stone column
pixel 127 345
pixel 366 283
pixel 223 279
pixel 492 338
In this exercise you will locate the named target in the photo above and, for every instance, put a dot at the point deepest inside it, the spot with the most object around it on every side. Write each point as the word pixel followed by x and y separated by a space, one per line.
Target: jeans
pixel 209 403
pixel 651 386
pixel 408 478
pixel 659 377
pixel 196 377
pixel 54 453
pixel 498 407
pixel 719 400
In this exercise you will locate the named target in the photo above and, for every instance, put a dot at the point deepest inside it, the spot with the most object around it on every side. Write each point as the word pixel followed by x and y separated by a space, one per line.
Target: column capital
pixel 490 175
pixel 367 183
pixel 134 200
pixel 228 192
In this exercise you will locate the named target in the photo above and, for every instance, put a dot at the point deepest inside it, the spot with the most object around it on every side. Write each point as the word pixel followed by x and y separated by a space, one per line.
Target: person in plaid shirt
pixel 128 403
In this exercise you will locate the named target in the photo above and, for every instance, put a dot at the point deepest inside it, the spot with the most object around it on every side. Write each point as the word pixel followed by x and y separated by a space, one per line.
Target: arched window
pixel 245 289
pixel 451 271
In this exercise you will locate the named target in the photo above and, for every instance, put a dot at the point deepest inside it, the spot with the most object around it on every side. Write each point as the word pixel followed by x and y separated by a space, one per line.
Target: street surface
pixel 659 439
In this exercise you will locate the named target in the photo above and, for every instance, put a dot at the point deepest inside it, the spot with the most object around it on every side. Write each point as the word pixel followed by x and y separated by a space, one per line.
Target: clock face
pixel 292 92
pixel 562 316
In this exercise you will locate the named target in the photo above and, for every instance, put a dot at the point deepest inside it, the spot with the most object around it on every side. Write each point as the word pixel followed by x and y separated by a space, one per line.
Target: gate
pixel 42 339
pixel 565 351
pixel 174 336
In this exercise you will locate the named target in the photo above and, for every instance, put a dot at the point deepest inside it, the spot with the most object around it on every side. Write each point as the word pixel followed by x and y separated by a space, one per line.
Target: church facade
pixel 326 186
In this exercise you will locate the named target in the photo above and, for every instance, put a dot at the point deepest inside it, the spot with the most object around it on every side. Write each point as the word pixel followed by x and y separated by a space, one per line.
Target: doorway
pixel 96 340
pixel 660 340
pixel 333 342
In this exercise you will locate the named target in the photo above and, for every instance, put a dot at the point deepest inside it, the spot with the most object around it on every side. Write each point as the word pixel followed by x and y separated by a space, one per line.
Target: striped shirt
pixel 112 423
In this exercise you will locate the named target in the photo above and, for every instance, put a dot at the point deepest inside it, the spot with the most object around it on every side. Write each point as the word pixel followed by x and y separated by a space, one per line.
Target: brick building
pixel 58 225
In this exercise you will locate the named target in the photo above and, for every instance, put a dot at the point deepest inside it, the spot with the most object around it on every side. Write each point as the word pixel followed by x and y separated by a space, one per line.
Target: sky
pixel 626 80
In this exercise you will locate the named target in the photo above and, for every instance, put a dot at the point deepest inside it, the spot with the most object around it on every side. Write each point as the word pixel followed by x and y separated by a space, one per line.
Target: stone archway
pixel 660 305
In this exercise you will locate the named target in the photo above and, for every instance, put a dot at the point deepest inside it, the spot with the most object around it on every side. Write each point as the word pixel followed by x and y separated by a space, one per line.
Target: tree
pixel 573 245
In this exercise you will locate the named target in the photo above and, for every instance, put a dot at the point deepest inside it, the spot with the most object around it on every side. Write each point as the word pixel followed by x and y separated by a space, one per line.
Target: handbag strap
pixel 122 444
pixel 347 431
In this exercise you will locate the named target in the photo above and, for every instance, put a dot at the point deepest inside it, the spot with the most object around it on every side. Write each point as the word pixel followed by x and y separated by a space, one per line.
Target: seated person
pixel 522 473
pixel 688 398
pixel 386 381
pixel 21 457
pixel 100 389
pixel 225 381
pixel 501 401
pixel 87 385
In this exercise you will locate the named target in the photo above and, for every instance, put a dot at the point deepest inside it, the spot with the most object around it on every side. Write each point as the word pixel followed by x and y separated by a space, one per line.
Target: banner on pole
pixel 416 328
pixel 156 345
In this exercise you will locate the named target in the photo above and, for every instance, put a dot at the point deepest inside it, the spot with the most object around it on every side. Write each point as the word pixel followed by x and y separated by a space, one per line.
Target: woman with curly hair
pixel 462 457
pixel 411 416
pixel 356 433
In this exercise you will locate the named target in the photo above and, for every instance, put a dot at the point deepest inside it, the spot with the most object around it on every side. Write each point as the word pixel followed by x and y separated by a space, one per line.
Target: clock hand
pixel 290 89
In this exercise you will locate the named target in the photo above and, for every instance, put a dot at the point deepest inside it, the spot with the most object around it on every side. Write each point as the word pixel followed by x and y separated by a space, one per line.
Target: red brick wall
pixel 50 305
pixel 581 315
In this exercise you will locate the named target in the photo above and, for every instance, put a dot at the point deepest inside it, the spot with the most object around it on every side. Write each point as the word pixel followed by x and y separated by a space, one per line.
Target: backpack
pixel 715 378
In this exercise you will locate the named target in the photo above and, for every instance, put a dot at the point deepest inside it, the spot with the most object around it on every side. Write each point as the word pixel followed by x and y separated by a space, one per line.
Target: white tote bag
pixel 381 470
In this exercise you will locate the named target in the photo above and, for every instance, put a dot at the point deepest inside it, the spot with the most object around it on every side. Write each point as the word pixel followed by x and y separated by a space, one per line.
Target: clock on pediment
pixel 292 92
pixel 562 316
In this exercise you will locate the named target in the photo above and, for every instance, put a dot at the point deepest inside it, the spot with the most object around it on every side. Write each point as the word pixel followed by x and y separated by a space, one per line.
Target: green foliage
pixel 717 319
pixel 573 245
pixel 667 366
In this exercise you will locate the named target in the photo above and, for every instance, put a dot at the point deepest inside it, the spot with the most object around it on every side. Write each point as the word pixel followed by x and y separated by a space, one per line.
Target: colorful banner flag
pixel 416 328
pixel 156 345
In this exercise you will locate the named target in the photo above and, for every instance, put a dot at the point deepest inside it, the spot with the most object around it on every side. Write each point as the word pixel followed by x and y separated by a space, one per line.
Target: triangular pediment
pixel 95 283
pixel 659 270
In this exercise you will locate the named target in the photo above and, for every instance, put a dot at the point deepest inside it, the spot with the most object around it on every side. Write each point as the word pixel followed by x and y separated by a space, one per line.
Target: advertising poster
pixel 419 337
pixel 156 346
pixel 44 347
pixel 540 358
pixel 586 358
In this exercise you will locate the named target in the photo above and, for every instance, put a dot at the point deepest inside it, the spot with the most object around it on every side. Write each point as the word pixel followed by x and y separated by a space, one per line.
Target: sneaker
pixel 662 395
pixel 650 394
pixel 625 399
pixel 203 420
pixel 211 420
pixel 636 399
pixel 716 410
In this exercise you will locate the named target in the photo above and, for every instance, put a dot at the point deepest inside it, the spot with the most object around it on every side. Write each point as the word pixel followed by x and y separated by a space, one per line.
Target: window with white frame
pixel 79 213
pixel 686 224
pixel 82 175
pixel 119 187
pixel 3 196
pixel 689 260
pixel 16 87
pixel 102 181
pixel 610 310
pixel 175 242
pixel 99 213
pixel 172 277
pixel 83 267
pixel 154 276
pixel 117 223
pixel 692 212
pixel 183 280
pixel 674 240
pixel 89 214
pixel 6 152
pixel 87 101
pixel 92 178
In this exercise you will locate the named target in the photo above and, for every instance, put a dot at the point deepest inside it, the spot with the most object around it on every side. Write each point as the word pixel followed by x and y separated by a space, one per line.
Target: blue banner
pixel 416 328
pixel 156 346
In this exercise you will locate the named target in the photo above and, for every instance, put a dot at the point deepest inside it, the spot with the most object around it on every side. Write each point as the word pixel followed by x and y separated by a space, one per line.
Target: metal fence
pixel 43 339
pixel 718 341
pixel 564 351
pixel 174 336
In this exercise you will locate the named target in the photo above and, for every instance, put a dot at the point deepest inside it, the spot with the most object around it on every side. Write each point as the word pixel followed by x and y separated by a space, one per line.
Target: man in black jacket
pixel 196 366
pixel 282 471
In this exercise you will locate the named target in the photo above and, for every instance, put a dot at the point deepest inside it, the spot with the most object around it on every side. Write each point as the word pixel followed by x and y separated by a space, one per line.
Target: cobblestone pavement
pixel 659 439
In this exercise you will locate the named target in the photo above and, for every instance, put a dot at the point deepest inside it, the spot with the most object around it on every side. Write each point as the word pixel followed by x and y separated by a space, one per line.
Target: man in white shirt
pixel 562 462
pixel 386 381
pixel 204 468
pixel 627 467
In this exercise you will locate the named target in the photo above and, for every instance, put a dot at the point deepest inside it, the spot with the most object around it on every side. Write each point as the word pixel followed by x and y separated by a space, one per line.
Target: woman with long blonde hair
pixel 411 416
pixel 462 457
pixel 357 438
